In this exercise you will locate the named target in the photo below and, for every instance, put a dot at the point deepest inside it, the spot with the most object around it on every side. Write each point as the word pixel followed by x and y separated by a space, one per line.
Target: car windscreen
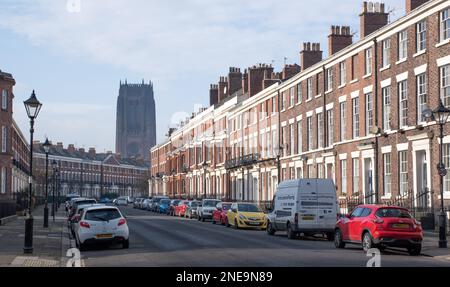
pixel 102 215
pixel 248 208
pixel 165 201
pixel 210 203
pixel 194 204
pixel 393 212
pixel 84 202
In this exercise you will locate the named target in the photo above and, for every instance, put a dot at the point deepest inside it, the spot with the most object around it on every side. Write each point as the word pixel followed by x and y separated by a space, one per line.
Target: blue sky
pixel 74 59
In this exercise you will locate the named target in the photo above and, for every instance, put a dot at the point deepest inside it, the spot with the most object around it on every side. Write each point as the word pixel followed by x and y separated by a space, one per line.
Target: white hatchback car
pixel 101 224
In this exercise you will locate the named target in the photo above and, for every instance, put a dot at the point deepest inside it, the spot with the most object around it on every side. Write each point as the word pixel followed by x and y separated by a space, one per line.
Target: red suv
pixel 376 226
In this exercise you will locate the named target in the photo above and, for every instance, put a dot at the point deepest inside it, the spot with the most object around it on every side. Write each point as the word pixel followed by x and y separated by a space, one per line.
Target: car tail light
pixel 296 218
pixel 378 221
pixel 122 222
pixel 85 224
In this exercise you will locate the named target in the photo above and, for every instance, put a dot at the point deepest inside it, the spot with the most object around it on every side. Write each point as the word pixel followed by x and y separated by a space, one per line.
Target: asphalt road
pixel 161 241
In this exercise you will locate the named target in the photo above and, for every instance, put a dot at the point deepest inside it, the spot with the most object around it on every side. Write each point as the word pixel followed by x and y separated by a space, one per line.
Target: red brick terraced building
pixel 354 116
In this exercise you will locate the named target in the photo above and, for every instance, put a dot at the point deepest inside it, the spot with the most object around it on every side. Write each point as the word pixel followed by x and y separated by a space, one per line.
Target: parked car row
pixel 90 222
pixel 305 207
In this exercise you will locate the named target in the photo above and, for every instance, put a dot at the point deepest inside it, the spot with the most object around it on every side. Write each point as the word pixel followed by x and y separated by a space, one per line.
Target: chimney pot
pixel 372 18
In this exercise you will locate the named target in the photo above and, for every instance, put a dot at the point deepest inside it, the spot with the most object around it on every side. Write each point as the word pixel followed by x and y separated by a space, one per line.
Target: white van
pixel 307 206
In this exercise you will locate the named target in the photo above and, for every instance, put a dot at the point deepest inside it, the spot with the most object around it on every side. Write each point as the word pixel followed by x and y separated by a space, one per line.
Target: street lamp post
pixel 32 106
pixel 58 186
pixel 440 115
pixel 54 166
pixel 46 146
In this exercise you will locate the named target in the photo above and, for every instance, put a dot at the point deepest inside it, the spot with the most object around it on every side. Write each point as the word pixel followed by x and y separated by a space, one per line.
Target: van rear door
pixel 327 205
pixel 307 204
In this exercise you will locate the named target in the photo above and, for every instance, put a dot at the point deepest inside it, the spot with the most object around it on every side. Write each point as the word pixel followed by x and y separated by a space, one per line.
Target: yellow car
pixel 246 215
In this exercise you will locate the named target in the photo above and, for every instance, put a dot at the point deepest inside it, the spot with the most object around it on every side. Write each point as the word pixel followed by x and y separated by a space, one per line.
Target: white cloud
pixel 181 45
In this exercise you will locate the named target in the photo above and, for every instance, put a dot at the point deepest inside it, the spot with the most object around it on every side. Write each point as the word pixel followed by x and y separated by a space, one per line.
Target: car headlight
pixel 241 216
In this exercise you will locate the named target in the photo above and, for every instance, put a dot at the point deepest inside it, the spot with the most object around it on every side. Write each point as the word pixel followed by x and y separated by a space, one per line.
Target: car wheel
pixel 367 242
pixel 338 242
pixel 415 251
pixel 213 221
pixel 330 236
pixel 270 229
pixel 236 226
pixel 203 219
pixel 126 244
pixel 228 224
pixel 82 247
pixel 290 233
pixel 199 218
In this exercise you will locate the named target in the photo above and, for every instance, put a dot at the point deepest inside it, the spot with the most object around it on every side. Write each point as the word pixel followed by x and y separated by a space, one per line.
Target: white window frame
pixel 445 85
pixel 342 73
pixel 402 45
pixel 344 176
pixel 387 168
pixel 320 130
pixel 292 139
pixel 369 112
pixel 386 94
pixel 343 120
pixel 446 161
pixel 368 62
pixel 355 174
pixel 309 89
pixel 309 130
pixel 299 93
pixel 421 36
pixel 444 27
pixel 422 95
pixel 386 53
pixel 330 128
pixel 329 72
pixel 292 97
pixel 4 99
pixel 299 137
pixel 355 118
pixel 402 104
pixel 4 139
pixel 403 172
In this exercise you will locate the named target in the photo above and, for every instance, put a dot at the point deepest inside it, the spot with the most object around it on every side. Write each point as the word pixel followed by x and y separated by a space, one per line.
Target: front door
pixel 422 196
pixel 368 181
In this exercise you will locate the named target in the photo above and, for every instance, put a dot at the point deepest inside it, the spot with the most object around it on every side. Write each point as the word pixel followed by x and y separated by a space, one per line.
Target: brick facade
pixel 367 158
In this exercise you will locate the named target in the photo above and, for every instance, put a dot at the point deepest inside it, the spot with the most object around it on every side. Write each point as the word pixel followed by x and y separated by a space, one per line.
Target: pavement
pixel 163 241
pixel 49 244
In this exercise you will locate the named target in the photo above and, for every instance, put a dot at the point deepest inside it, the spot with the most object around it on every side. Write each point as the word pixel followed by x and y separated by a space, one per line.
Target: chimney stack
pixel 234 80
pixel 310 55
pixel 256 76
pixel 92 152
pixel 213 95
pixel 289 71
pixel 82 151
pixel 245 82
pixel 59 146
pixel 372 18
pixel 339 38
pixel 413 4
pixel 223 88
pixel 71 148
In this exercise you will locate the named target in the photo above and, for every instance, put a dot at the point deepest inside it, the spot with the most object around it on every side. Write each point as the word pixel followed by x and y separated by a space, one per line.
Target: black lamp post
pixel 205 167
pixel 55 166
pixel 32 106
pixel 58 185
pixel 46 146
pixel 440 115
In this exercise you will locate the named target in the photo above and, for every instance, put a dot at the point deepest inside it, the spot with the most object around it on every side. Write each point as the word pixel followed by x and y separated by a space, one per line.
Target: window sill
pixel 367 76
pixel 401 61
pixel 327 92
pixel 442 43
pixel 318 96
pixel 341 86
pixel 290 107
pixel 299 103
pixel 420 53
pixel 353 81
pixel 388 196
pixel 308 100
pixel 385 68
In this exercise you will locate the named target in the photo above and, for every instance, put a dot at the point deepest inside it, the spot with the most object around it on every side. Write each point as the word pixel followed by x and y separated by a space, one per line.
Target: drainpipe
pixel 375 101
